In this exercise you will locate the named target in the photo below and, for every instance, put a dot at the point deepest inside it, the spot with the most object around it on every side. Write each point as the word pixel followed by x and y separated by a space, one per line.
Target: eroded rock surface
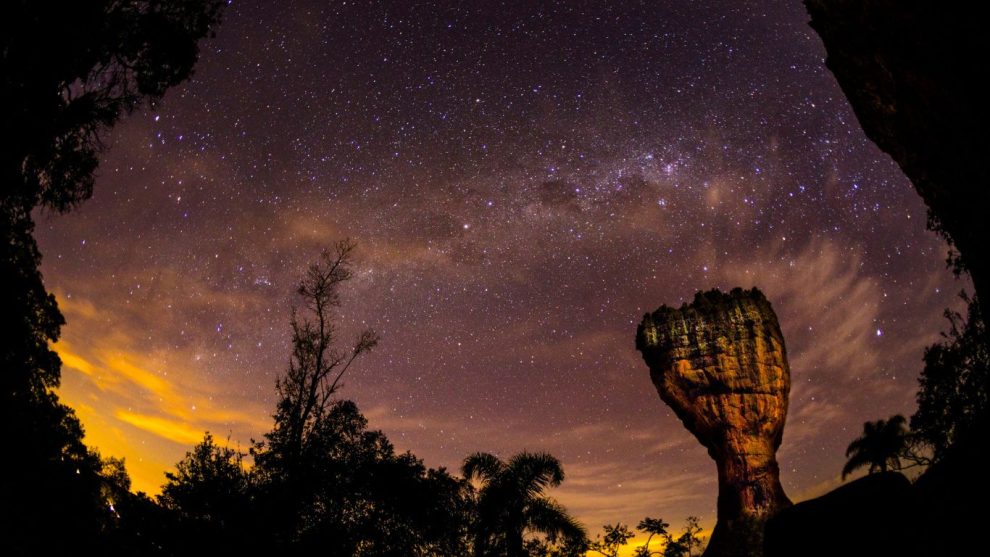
pixel 721 365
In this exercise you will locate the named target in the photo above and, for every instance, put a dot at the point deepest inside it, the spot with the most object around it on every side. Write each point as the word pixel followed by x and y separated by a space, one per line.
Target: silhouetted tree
pixel 688 544
pixel 655 527
pixel 316 439
pixel 142 527
pixel 134 524
pixel 317 366
pixel 325 483
pixel 68 72
pixel 350 494
pixel 116 484
pixel 510 503
pixel 880 447
pixel 54 480
pixel 210 494
pixel 615 537
pixel 543 547
pixel 953 387
pixel 445 508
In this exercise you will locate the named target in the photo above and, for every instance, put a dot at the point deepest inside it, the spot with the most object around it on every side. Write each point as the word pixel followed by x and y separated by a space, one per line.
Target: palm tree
pixel 511 502
pixel 880 447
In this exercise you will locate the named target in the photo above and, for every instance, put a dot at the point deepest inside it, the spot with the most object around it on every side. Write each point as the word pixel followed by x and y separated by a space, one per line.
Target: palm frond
pixel 551 519
pixel 536 472
pixel 483 466
pixel 880 447
pixel 857 461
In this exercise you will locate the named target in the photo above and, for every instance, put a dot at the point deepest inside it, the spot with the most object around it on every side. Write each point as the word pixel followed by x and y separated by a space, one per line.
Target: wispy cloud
pixel 116 386
pixel 173 430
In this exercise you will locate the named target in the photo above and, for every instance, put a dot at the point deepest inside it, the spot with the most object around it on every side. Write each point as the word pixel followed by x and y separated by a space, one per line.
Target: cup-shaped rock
pixel 721 365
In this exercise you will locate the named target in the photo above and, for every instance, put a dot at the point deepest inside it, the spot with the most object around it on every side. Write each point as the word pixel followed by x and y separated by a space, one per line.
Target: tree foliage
pixel 544 547
pixel 322 481
pixel 327 483
pixel 615 537
pixel 351 494
pixel 69 71
pixel 306 391
pixel 952 402
pixel 655 527
pixel 209 485
pixel 511 503
pixel 952 396
pixel 689 543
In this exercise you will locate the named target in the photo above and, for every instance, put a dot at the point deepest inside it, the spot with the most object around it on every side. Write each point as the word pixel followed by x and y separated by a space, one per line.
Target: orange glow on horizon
pixel 149 409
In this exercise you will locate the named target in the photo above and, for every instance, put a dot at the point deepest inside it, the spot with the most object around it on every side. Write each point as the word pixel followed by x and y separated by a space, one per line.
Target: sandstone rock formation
pixel 721 365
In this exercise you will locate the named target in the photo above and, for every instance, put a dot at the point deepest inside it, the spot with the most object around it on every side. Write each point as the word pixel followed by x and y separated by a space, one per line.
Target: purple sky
pixel 524 184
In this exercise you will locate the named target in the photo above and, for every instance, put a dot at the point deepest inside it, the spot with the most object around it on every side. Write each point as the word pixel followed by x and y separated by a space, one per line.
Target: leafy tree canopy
pixel 953 387
pixel 70 70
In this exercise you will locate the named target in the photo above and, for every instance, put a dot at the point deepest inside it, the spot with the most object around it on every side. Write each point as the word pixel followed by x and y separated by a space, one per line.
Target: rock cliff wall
pixel 911 71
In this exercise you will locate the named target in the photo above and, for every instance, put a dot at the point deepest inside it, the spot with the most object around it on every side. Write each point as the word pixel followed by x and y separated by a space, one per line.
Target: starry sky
pixel 525 180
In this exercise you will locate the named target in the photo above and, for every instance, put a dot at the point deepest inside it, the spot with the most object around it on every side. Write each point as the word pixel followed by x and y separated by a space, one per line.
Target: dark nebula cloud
pixel 525 182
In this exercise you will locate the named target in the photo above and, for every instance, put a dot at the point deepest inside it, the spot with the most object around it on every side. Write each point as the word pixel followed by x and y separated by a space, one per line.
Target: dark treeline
pixel 689 543
pixel 322 482
pixel 319 482
pixel 68 72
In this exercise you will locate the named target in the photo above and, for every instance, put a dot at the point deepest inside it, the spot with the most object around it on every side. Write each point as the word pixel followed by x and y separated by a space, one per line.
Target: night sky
pixel 524 184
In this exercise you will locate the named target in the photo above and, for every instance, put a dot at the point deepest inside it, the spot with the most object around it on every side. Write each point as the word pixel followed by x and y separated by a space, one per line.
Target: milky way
pixel 524 183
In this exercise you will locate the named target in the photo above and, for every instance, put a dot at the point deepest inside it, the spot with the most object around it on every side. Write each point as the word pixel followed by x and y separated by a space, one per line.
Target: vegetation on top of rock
pixel 712 300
